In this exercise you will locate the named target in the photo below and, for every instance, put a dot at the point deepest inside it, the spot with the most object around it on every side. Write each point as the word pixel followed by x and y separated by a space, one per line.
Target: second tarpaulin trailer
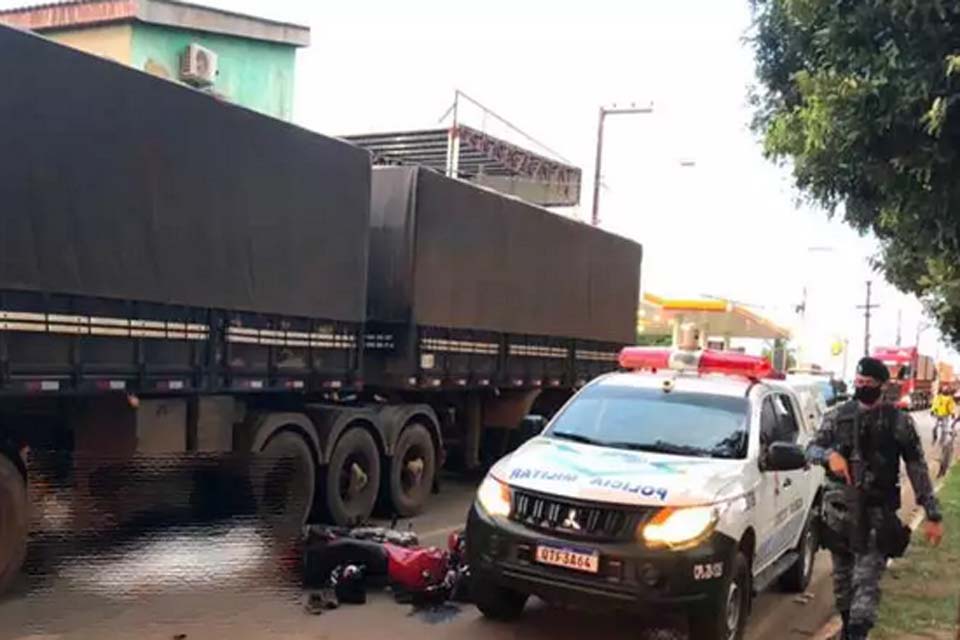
pixel 489 308
pixel 480 289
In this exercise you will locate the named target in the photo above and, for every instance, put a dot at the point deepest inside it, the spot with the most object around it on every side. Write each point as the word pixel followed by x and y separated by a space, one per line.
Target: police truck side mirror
pixel 784 456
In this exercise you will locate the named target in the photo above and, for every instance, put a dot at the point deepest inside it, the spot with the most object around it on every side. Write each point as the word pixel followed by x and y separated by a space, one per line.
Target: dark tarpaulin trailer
pixel 448 254
pixel 120 185
pixel 154 238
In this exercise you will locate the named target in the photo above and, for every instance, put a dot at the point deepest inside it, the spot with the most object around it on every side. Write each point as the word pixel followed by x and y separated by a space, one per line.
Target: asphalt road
pixel 222 581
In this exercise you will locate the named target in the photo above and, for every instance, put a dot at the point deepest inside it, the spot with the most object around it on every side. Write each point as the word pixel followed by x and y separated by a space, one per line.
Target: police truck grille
pixel 569 518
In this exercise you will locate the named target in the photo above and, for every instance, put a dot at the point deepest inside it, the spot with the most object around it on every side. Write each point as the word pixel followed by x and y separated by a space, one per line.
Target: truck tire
pixel 496 602
pixel 13 522
pixel 411 471
pixel 796 579
pixel 352 479
pixel 284 482
pixel 726 618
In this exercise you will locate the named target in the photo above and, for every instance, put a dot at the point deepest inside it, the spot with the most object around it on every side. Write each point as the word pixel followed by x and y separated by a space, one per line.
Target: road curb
pixel 835 624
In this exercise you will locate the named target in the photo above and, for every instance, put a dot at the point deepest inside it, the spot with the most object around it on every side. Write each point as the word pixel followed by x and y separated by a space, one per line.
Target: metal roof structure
pixel 475 156
pixel 470 154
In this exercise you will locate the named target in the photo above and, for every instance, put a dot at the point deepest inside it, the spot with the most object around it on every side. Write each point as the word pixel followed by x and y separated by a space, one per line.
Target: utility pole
pixel 899 323
pixel 595 216
pixel 804 335
pixel 604 112
pixel 866 320
pixel 921 327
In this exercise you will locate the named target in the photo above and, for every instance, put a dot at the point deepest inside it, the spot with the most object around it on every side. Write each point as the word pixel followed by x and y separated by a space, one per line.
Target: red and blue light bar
pixel 701 362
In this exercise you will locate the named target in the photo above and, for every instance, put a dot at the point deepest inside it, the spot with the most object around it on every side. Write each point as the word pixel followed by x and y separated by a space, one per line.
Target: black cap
pixel 873 368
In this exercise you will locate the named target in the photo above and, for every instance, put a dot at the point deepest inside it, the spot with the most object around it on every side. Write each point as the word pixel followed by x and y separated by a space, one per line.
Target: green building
pixel 243 59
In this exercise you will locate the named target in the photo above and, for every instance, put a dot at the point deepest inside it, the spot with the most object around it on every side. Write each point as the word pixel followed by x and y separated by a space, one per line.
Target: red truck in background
pixel 912 375
pixel 946 378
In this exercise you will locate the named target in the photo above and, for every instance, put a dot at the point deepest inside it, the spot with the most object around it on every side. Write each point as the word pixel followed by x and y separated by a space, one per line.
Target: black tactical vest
pixel 879 449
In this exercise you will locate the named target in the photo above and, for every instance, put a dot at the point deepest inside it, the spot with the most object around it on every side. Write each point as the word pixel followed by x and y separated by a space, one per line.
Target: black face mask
pixel 867 395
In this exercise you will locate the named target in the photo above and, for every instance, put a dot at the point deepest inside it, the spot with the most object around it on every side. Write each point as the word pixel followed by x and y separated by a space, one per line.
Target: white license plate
pixel 569 559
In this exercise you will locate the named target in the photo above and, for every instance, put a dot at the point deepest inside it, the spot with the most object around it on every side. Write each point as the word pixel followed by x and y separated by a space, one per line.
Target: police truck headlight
pixel 494 497
pixel 680 527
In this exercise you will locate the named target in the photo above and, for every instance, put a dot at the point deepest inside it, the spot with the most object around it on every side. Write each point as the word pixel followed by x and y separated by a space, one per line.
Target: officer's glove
pixel 839 467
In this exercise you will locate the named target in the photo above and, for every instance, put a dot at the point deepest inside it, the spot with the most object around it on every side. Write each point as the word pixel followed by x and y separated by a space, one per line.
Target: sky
pixel 729 226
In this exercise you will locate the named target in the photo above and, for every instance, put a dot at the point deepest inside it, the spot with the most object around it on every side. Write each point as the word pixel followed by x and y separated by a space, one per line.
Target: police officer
pixel 861 536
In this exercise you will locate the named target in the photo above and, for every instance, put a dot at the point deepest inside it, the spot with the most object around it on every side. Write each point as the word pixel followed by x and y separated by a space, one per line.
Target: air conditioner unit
pixel 198 66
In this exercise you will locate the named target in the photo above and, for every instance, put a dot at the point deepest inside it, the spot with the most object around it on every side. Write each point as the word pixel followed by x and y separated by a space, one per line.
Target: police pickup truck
pixel 677 484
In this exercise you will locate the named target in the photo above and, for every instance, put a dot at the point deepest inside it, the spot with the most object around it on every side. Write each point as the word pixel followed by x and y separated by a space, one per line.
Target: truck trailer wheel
pixel 352 478
pixel 13 522
pixel 284 481
pixel 411 471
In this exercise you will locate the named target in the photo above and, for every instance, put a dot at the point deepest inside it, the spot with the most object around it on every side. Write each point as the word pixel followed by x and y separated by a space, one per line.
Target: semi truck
pixel 946 379
pixel 184 279
pixel 912 376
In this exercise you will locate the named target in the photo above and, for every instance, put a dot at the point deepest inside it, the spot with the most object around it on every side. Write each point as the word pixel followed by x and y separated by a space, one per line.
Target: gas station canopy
pixel 715 319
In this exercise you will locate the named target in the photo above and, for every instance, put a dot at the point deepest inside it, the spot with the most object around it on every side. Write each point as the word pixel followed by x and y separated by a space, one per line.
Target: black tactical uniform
pixel 860 549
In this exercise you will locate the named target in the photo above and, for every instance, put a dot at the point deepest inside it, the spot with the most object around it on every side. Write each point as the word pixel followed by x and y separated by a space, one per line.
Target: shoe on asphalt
pixel 320 601
pixel 329 598
pixel 314 605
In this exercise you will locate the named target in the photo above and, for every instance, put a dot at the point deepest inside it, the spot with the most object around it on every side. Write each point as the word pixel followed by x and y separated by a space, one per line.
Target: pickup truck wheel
pixel 797 578
pixel 411 471
pixel 284 482
pixel 726 618
pixel 352 478
pixel 496 602
pixel 13 522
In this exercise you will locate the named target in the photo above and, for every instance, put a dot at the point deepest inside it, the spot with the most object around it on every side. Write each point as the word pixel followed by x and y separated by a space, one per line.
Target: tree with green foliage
pixel 789 355
pixel 860 97
pixel 646 340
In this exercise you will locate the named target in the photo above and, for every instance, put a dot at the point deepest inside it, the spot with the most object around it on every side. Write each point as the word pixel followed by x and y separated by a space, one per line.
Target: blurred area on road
pixel 229 577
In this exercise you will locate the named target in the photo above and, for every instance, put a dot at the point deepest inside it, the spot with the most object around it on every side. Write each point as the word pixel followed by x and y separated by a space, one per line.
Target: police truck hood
pixel 618 476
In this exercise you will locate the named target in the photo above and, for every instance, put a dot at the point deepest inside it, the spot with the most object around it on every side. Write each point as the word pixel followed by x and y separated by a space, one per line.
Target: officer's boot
pixel 857 632
pixel 845 631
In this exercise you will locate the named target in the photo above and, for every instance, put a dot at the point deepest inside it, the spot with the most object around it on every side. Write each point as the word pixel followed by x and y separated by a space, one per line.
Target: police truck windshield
pixel 689 424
